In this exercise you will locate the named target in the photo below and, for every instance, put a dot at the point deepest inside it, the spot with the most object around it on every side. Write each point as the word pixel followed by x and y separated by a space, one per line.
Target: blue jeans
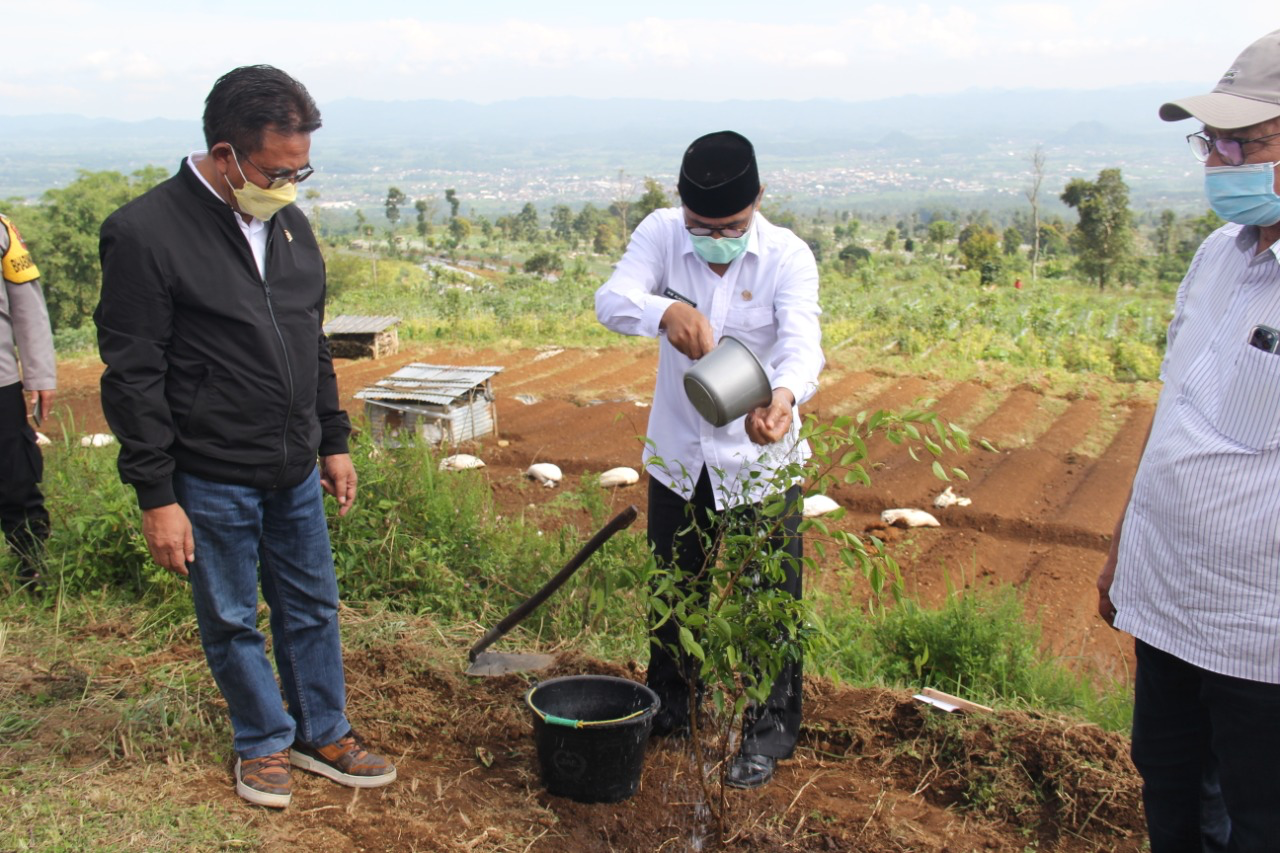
pixel 1208 748
pixel 243 535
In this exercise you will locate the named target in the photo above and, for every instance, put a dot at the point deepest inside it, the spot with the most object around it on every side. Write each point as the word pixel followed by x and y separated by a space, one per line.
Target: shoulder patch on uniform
pixel 17 265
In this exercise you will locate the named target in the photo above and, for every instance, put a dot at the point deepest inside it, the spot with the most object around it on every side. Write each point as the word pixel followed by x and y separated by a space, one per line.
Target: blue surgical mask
pixel 1244 194
pixel 722 251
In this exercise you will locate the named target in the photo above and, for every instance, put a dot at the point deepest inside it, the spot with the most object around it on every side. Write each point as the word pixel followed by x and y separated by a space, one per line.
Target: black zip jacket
pixel 211 369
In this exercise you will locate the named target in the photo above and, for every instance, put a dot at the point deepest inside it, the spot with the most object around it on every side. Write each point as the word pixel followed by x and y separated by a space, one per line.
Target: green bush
pixel 96 537
pixel 976 644
pixel 979 645
pixel 430 541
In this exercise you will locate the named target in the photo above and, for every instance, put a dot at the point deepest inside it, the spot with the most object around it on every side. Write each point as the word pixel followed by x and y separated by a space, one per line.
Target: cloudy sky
pixel 134 59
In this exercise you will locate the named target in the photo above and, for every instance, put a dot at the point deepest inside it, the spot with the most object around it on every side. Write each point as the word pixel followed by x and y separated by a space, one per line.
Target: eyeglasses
pixel 281 177
pixel 730 233
pixel 1230 149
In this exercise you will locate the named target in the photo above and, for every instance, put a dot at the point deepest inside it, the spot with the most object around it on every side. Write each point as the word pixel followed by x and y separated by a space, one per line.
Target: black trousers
pixel 22 514
pixel 1207 746
pixel 771 729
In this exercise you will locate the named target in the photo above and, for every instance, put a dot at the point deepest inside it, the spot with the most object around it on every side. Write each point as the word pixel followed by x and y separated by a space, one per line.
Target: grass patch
pixel 106 716
pixel 426 541
pixel 977 645
pixel 98 810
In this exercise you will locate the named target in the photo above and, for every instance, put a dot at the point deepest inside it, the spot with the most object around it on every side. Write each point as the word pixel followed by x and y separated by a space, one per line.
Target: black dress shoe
pixel 748 770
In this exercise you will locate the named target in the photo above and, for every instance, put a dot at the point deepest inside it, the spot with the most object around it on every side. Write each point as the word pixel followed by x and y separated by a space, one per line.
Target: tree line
pixel 1107 245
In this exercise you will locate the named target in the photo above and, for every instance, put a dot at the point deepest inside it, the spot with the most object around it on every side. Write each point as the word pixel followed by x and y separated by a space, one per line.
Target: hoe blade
pixel 498 663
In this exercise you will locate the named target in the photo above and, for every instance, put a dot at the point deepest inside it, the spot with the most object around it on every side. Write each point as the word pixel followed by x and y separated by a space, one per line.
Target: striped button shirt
pixel 1198 573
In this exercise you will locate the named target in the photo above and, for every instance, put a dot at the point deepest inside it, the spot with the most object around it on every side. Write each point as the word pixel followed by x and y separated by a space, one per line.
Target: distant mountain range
pixel 548 137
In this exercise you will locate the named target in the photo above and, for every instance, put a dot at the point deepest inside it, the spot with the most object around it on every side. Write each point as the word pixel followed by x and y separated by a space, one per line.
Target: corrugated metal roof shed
pixel 429 383
pixel 436 402
pixel 357 324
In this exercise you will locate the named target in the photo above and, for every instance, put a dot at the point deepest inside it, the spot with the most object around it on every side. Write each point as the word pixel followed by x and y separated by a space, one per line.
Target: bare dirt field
pixel 873 772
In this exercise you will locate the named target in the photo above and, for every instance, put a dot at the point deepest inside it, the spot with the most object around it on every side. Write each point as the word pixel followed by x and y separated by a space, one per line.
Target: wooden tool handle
pixel 621 521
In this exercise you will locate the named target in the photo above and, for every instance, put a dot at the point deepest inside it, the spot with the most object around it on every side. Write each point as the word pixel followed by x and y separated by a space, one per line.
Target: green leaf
pixel 939 471
pixel 690 645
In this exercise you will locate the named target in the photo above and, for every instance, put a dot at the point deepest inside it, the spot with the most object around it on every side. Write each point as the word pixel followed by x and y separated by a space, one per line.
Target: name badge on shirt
pixel 679 297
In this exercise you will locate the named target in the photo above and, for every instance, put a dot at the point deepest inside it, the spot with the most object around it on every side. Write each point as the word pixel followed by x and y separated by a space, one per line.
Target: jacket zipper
pixel 288 368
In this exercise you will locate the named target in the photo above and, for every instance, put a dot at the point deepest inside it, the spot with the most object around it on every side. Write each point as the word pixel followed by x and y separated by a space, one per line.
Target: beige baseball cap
pixel 1247 94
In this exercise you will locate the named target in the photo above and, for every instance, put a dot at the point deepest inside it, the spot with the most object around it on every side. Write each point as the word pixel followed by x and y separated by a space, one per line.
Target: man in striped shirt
pixel 1194 567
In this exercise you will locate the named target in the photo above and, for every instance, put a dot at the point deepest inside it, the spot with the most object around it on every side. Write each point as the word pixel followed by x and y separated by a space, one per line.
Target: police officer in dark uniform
pixel 26 365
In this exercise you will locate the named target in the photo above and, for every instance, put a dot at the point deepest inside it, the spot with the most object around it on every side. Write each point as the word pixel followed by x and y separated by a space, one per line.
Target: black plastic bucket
pixel 591 732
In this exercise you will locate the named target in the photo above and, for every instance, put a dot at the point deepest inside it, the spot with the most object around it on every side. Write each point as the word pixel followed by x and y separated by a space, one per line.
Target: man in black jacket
pixel 221 390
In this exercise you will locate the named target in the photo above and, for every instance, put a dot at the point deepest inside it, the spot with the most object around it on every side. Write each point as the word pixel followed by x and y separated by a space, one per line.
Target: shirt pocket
pixel 752 326
pixel 1250 410
pixel 748 319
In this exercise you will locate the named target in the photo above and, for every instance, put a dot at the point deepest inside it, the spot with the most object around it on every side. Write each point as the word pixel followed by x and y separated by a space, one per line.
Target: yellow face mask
pixel 17 264
pixel 257 202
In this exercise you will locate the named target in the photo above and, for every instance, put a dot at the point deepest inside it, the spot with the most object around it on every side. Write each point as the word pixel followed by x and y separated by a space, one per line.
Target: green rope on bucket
pixel 551 719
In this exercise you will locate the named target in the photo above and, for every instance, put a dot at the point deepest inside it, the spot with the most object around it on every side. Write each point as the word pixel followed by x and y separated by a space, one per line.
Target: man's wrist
pixel 155 495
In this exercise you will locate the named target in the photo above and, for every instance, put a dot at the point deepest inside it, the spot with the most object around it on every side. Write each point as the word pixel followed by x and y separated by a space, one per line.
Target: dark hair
pixel 248 100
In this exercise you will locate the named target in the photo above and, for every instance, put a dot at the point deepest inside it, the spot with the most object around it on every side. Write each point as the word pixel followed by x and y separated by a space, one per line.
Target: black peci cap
pixel 718 176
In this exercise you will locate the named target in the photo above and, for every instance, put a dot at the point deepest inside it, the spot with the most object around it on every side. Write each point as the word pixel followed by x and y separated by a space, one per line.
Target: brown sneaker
pixel 345 761
pixel 265 781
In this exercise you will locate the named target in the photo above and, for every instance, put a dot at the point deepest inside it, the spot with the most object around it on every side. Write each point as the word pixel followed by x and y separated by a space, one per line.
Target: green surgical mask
pixel 257 202
pixel 722 251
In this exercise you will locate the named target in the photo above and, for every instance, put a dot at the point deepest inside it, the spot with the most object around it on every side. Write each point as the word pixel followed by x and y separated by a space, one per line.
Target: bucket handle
pixel 552 719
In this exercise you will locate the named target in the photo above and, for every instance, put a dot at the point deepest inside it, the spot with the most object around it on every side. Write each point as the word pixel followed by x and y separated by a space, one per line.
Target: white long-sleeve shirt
pixel 767 298
pixel 1198 570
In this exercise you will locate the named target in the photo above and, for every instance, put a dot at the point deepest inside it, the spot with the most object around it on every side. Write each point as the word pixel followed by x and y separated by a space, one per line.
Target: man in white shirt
pixel 691 274
pixel 1194 567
